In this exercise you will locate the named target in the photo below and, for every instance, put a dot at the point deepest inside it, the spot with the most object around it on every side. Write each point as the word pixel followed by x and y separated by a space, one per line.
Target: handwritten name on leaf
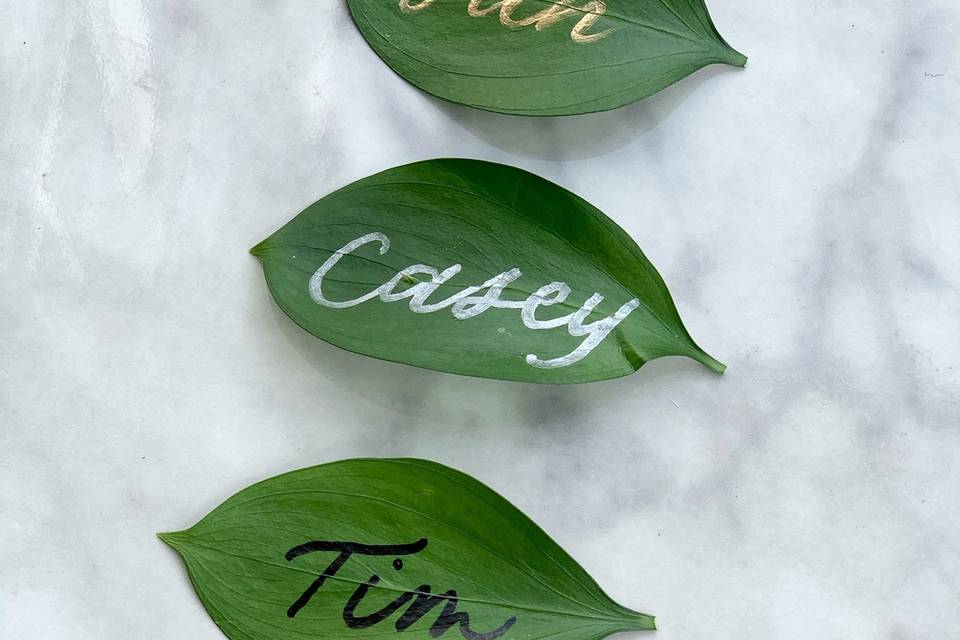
pixel 421 599
pixel 467 304
pixel 543 57
pixel 367 549
pixel 474 268
pixel 557 11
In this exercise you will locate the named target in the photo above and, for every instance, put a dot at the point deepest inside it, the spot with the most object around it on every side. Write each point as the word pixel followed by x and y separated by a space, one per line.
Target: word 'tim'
pixel 422 597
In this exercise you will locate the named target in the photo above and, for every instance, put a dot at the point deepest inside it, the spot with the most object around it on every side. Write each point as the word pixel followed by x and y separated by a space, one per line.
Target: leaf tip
pixel 641 622
pixel 709 361
pixel 716 366
pixel 733 57
pixel 259 250
pixel 174 539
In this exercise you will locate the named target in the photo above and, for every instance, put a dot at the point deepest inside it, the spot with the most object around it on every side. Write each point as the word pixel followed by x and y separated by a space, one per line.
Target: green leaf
pixel 474 268
pixel 543 57
pixel 363 549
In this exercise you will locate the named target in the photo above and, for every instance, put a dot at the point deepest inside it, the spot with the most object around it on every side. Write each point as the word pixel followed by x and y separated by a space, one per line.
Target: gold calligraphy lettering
pixel 406 7
pixel 558 11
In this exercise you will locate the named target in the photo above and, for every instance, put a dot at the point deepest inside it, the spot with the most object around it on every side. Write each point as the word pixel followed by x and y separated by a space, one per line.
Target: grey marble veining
pixel 805 213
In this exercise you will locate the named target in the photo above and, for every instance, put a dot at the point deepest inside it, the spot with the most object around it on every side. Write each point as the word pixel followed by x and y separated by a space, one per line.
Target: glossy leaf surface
pixel 474 268
pixel 366 549
pixel 543 57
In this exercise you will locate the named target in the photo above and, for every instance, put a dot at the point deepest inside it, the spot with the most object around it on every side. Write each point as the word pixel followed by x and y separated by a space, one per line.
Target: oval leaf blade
pixel 363 549
pixel 543 57
pixel 478 269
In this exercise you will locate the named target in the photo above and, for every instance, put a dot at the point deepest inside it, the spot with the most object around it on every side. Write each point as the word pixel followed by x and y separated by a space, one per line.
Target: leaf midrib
pixel 522 607
pixel 441 523
pixel 574 248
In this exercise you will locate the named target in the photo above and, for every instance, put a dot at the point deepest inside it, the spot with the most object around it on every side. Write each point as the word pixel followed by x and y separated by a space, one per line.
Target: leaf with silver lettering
pixel 478 269
pixel 366 549
pixel 543 57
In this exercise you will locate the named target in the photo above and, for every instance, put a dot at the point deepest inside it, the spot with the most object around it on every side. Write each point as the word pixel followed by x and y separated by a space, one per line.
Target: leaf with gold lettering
pixel 474 268
pixel 543 57
pixel 364 549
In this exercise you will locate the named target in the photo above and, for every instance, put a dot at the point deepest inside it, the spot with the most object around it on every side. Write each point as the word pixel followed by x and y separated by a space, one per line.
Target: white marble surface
pixel 805 212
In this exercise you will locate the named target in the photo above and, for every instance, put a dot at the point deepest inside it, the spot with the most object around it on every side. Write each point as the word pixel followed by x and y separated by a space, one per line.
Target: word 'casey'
pixel 558 11
pixel 467 304
pixel 422 597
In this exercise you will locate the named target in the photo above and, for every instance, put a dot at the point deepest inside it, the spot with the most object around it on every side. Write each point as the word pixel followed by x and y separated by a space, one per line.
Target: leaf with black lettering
pixel 474 268
pixel 543 57
pixel 366 549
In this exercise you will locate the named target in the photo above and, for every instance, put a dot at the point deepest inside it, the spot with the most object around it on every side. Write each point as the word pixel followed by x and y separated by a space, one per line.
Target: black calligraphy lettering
pixel 423 599
pixel 448 617
pixel 425 602
pixel 362 622
pixel 346 550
